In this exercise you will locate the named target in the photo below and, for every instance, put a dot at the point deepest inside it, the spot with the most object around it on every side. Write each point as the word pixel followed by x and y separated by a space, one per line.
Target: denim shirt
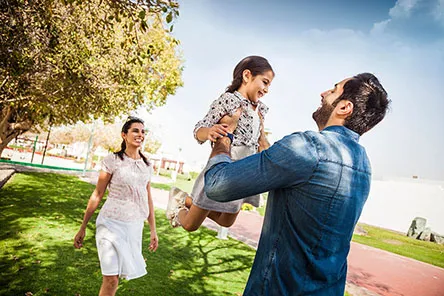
pixel 318 183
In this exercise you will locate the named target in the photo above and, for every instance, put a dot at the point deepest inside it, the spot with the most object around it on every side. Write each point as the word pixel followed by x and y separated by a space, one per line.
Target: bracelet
pixel 230 136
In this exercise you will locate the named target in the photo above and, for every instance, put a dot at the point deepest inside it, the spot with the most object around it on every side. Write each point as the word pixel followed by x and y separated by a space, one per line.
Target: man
pixel 318 183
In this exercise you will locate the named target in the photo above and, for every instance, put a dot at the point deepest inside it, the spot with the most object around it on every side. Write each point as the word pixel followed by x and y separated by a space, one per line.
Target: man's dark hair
pixel 370 103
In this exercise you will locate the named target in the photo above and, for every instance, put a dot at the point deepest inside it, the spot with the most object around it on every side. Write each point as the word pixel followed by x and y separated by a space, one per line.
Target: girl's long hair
pixel 256 64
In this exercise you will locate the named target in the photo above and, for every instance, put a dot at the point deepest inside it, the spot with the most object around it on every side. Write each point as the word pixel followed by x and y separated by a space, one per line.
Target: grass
pixel 400 244
pixel 184 185
pixel 40 214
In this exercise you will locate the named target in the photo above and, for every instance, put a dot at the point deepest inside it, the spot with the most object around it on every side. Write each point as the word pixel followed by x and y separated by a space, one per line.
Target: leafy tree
pixel 105 135
pixel 67 61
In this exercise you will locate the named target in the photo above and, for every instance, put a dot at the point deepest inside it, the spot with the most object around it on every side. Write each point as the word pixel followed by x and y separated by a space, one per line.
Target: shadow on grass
pixel 40 214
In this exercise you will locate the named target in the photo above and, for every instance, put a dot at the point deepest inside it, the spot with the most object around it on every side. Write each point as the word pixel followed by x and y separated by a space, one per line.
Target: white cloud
pixel 403 8
pixel 438 12
pixel 379 28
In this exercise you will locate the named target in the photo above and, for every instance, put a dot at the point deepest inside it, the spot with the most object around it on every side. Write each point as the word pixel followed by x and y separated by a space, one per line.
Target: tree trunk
pixel 9 130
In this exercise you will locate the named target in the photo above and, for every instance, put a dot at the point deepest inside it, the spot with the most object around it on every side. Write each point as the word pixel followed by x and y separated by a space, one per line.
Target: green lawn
pixel 40 214
pixel 399 243
pixel 184 185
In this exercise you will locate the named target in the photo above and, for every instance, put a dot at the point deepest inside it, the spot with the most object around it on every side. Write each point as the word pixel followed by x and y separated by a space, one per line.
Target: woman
pixel 119 225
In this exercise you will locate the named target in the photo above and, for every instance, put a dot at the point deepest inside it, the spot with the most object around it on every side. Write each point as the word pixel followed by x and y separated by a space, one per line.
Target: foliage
pixel 41 214
pixel 63 62
pixel 194 175
pixel 247 207
pixel 400 244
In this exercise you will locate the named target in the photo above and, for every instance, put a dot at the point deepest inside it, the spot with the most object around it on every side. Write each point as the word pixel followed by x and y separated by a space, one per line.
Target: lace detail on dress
pixel 127 195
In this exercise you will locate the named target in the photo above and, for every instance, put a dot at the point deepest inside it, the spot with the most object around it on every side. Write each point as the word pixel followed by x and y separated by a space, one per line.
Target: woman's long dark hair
pixel 256 64
pixel 125 129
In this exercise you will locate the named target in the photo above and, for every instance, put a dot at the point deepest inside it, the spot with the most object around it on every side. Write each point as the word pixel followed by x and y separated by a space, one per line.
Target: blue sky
pixel 312 45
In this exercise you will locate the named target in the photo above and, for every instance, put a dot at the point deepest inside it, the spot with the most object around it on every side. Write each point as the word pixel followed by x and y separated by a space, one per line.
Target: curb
pixel 5 175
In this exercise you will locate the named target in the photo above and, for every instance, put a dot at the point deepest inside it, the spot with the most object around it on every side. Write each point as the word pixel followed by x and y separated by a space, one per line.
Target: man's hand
pixel 262 141
pixel 231 121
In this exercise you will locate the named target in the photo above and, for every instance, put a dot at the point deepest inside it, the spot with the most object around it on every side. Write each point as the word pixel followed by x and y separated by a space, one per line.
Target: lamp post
pixel 33 148
pixel 46 143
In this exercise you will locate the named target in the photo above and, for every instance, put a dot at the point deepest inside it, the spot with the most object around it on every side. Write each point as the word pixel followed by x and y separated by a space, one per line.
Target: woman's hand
pixel 78 239
pixel 154 242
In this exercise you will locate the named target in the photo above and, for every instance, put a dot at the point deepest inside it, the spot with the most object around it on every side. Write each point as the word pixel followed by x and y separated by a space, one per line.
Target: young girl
pixel 251 78
pixel 119 225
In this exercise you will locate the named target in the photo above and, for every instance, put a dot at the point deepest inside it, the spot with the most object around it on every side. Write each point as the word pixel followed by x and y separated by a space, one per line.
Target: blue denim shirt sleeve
pixel 289 162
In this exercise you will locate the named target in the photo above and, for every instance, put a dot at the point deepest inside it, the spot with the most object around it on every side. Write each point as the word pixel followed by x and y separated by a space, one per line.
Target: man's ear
pixel 344 108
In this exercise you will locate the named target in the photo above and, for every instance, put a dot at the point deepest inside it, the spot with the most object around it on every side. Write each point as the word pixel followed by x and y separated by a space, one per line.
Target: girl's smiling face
pixel 257 86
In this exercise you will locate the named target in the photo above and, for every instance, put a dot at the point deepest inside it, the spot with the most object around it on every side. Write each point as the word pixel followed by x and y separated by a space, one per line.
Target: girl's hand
pixel 231 121
pixel 154 242
pixel 218 130
pixel 78 239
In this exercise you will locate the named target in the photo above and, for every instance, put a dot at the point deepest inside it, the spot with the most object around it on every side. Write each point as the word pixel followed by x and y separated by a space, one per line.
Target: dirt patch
pixel 393 242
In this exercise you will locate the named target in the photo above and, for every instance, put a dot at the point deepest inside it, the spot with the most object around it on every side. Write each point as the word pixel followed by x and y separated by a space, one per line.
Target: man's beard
pixel 322 115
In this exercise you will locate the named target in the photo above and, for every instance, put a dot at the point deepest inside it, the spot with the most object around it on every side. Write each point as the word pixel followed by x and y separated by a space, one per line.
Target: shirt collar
pixel 261 106
pixel 343 131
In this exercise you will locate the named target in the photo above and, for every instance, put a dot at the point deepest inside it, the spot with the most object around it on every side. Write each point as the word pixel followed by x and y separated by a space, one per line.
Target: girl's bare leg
pixel 192 219
pixel 223 219
pixel 109 285
pixel 182 211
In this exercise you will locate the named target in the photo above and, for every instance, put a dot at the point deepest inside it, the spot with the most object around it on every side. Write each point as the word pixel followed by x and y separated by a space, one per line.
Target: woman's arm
pixel 93 203
pixel 154 240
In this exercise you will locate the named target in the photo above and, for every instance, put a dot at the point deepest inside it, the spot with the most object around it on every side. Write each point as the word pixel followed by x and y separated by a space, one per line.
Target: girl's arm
pixel 209 127
pixel 93 203
pixel 154 240
pixel 211 133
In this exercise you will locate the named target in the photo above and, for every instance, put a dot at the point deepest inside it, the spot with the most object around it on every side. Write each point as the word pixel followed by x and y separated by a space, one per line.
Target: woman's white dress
pixel 119 225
